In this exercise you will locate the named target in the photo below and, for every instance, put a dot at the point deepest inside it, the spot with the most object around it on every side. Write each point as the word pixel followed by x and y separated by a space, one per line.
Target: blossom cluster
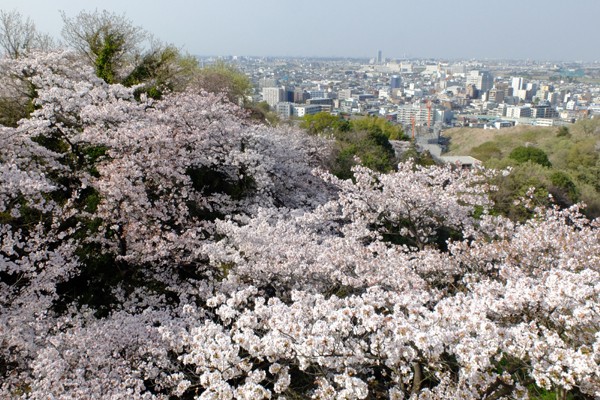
pixel 157 249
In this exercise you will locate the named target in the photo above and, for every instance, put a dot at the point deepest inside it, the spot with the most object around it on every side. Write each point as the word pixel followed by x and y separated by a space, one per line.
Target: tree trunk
pixel 417 378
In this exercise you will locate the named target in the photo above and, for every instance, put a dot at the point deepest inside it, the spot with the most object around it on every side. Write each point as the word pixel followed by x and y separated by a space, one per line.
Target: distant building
pixel 503 124
pixel 523 94
pixel 320 101
pixel 317 94
pixel 482 80
pixel 344 94
pixel 288 95
pixel 300 96
pixel 379 57
pixel 350 105
pixel 363 96
pixel 284 109
pixel 420 113
pixel 273 95
pixel 552 97
pixel 517 83
pixel 395 82
pixel 518 112
pixel 543 110
pixel 472 92
pixel 306 109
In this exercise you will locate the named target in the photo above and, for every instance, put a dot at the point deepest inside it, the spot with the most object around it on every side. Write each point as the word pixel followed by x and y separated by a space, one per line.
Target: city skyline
pixel 469 29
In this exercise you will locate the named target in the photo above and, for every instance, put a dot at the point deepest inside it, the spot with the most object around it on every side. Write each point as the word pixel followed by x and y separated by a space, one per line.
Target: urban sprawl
pixel 427 96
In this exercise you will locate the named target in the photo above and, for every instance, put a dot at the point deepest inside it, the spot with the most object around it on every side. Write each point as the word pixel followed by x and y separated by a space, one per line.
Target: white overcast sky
pixel 495 29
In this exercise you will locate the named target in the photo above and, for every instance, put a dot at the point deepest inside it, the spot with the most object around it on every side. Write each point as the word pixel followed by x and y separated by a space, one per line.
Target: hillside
pixel 467 141
pixel 574 154
pixel 171 249
pixel 464 140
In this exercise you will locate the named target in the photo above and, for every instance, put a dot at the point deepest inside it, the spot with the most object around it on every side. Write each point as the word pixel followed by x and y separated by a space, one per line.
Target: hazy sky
pixel 497 29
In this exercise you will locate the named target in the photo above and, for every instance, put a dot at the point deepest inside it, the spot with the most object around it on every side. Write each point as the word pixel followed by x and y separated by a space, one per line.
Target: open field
pixel 464 140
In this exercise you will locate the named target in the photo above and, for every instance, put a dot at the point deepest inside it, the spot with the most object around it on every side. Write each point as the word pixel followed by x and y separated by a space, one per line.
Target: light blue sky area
pixel 509 29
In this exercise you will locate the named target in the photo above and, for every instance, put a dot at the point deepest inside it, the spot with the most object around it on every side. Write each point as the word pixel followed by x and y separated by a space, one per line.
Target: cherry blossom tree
pixel 172 248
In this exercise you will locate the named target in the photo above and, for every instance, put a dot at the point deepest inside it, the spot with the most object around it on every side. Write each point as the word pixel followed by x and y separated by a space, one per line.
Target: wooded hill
pixel 573 172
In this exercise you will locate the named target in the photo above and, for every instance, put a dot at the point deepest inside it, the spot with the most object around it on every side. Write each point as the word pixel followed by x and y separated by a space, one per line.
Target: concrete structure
pixel 320 101
pixel 300 96
pixel 503 124
pixel 420 113
pixel 395 82
pixel 482 80
pixel 363 96
pixel 344 94
pixel 543 110
pixel 317 94
pixel 495 95
pixel 517 83
pixel 273 95
pixel 284 109
pixel 306 109
pixel 518 112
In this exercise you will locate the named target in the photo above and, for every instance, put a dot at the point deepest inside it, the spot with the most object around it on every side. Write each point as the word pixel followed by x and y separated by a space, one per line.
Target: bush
pixel 523 154
pixel 563 131
pixel 486 150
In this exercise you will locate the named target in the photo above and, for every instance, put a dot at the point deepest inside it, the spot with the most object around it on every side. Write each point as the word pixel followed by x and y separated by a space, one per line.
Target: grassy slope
pixel 463 141
pixel 577 155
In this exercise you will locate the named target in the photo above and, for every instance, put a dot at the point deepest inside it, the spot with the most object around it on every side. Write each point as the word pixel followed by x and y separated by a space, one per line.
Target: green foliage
pixel 589 127
pixel 160 69
pixel 523 154
pixel 12 110
pixel 262 113
pixel 324 123
pixel 563 188
pixel 91 155
pixel 486 151
pixel 537 393
pixel 378 124
pixel 17 99
pixel 422 158
pixel 107 52
pixel 512 189
pixel 563 131
pixel 109 42
pixel 573 152
pixel 582 154
pixel 365 139
pixel 224 78
pixel 372 148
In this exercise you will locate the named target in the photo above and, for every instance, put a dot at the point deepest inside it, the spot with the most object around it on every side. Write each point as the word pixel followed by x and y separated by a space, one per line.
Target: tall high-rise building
pixel 273 95
pixel 300 95
pixel 379 58
pixel 517 83
pixel 482 80
pixel 395 82
pixel 496 95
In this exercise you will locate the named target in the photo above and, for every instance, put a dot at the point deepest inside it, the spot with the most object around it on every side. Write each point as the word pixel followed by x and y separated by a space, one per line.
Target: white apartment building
pixel 273 95
pixel 300 110
pixel 419 112
pixel 518 112
pixel 517 83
